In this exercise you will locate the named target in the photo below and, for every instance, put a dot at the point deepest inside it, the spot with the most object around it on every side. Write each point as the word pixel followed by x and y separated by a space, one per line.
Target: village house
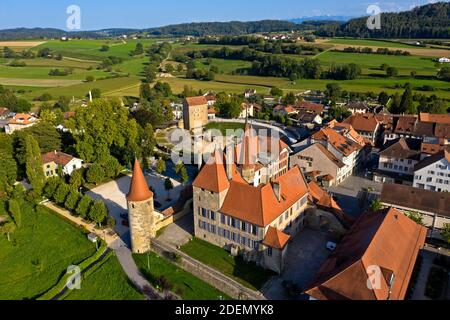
pixel 177 110
pixel 55 162
pixel 358 107
pixel 247 111
pixel 433 173
pixel 431 205
pixel 211 99
pixel 4 113
pixel 20 121
pixel 384 242
pixel 308 106
pixel 195 112
pixel 397 160
pixel 284 111
pixel 366 125
pixel 307 119
pixel 249 93
pixel 317 158
pixel 235 209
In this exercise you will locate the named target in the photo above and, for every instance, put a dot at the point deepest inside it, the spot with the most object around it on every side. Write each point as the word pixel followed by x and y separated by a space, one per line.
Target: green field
pixel 366 42
pixel 247 274
pixel 225 66
pixel 39 253
pixel 107 282
pixel 224 126
pixel 184 284
pixel 370 63
pixel 90 49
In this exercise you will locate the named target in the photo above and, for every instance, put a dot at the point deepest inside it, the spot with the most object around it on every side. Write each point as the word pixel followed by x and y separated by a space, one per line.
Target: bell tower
pixel 140 211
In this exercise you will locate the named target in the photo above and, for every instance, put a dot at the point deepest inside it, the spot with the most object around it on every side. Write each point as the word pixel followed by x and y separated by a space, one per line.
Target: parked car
pixel 125 223
pixel 124 216
pixel 331 246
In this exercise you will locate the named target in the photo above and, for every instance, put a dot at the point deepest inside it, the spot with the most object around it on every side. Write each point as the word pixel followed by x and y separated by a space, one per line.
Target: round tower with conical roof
pixel 140 211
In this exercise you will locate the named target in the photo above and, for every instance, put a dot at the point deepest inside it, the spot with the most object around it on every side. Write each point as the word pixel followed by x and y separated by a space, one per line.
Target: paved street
pixel 305 256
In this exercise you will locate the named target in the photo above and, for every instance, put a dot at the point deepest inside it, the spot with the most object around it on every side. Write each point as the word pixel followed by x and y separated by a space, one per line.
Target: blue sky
pixel 98 14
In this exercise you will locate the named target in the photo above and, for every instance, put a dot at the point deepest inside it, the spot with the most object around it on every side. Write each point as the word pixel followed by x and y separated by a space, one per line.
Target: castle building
pixel 246 200
pixel 195 112
pixel 141 212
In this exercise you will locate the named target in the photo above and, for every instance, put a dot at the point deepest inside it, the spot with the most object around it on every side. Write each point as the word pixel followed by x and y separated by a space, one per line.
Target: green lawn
pixel 39 253
pixel 224 126
pixel 248 274
pixel 107 282
pixel 185 284
pixel 30 72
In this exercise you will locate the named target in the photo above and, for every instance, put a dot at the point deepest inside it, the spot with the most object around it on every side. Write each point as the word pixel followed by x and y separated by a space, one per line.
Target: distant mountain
pixel 322 18
pixel 428 21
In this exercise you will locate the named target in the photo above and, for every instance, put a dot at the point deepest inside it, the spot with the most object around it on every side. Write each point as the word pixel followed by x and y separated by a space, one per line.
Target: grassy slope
pixel 40 252
pixel 248 274
pixel 365 42
pixel 191 287
pixel 108 282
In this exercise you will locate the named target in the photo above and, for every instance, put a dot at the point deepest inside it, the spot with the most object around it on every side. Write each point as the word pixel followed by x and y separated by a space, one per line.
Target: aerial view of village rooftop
pixel 230 151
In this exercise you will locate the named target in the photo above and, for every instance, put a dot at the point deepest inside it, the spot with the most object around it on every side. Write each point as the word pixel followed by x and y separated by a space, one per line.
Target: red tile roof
pixel 435 118
pixel 196 101
pixel 363 122
pixel 259 205
pixel 57 157
pixel 4 111
pixel 22 118
pixel 139 190
pixel 213 176
pixel 310 106
pixel 276 239
pixel 387 239
pixel 338 141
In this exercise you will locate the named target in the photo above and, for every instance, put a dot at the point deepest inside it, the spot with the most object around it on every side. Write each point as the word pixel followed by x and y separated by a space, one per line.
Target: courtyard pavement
pixel 351 193
pixel 114 193
pixel 180 232
pixel 306 254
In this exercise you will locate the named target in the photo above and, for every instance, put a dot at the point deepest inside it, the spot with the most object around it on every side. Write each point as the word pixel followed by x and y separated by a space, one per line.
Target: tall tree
pixel 98 212
pixel 407 103
pixel 34 170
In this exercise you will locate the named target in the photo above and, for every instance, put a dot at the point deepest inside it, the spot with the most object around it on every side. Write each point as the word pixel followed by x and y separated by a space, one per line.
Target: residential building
pixel 211 99
pixel 4 113
pixel 249 93
pixel 342 146
pixel 308 106
pixel 317 158
pixel 177 110
pixel 20 121
pixel 247 111
pixel 253 219
pixel 54 161
pixel 386 244
pixel 357 107
pixel 433 173
pixel 366 125
pixel 195 112
pixel 284 111
pixel 308 119
pixel 433 206
pixel 397 160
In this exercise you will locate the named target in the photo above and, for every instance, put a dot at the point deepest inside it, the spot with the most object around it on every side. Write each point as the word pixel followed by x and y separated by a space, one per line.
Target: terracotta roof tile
pixel 139 190
pixel 415 198
pixel 276 239
pixel 57 157
pixel 435 118
pixel 363 122
pixel 213 176
pixel 387 239
pixel 259 205
pixel 196 101
pixel 22 118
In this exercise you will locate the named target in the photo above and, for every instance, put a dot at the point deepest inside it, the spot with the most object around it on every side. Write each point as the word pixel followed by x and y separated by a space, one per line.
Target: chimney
pixel 230 160
pixel 277 189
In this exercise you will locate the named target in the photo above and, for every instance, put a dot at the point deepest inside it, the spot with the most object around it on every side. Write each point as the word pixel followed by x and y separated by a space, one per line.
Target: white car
pixel 331 246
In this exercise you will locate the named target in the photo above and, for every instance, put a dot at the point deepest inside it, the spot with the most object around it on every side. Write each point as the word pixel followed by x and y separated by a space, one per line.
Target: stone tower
pixel 248 154
pixel 140 212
